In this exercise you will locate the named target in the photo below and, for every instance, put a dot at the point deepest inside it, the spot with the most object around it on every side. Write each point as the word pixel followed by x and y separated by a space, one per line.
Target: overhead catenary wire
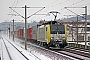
pixel 11 10
pixel 36 12
pixel 75 13
pixel 17 13
pixel 84 5
pixel 47 6
pixel 68 6
pixel 83 11
pixel 16 2
pixel 55 3
pixel 13 3
pixel 19 2
pixel 77 2
pixel 72 5
pixel 50 5
pixel 60 3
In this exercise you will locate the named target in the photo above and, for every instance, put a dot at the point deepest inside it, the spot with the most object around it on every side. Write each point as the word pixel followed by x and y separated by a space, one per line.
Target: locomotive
pixel 50 34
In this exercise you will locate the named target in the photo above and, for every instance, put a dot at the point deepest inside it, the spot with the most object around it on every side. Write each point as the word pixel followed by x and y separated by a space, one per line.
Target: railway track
pixel 11 52
pixel 82 52
pixel 36 49
pixel 50 53
pixel 76 53
pixel 57 54
pixel 65 53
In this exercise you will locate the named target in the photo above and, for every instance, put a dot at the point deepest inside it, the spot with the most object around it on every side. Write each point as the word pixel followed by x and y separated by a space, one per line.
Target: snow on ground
pixel 82 43
pixel 38 55
pixel 26 53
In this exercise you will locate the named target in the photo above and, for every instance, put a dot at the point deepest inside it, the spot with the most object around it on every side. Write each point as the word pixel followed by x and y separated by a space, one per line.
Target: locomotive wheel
pixel 64 43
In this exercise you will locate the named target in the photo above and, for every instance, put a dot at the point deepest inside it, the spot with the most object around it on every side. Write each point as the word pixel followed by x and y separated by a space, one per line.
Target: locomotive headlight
pixel 52 38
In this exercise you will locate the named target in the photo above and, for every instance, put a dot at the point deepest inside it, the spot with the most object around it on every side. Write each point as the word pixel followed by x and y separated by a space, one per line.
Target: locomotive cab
pixel 56 35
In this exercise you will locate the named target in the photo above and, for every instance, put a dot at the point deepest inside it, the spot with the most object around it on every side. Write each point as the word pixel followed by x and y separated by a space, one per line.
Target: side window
pixel 46 28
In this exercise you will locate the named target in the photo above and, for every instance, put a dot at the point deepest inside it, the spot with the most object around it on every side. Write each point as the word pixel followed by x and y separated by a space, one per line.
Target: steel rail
pixel 7 50
pixel 18 50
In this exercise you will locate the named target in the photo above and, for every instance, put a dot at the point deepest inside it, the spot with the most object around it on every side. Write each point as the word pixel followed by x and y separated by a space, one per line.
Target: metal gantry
pixel 85 21
pixel 26 19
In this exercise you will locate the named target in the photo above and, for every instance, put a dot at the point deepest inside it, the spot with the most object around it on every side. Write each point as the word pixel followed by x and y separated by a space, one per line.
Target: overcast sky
pixel 50 5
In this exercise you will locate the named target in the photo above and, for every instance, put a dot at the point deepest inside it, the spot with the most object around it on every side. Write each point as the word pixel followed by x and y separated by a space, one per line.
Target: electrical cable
pixel 69 5
pixel 77 2
pixel 60 3
pixel 51 3
pixel 11 10
pixel 14 4
pixel 19 2
pixel 72 5
pixel 55 4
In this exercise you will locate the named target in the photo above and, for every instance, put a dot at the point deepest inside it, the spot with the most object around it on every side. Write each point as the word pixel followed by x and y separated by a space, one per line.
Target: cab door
pixel 47 33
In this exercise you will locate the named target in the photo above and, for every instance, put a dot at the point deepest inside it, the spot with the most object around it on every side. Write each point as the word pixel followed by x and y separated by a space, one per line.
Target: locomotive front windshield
pixel 57 28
